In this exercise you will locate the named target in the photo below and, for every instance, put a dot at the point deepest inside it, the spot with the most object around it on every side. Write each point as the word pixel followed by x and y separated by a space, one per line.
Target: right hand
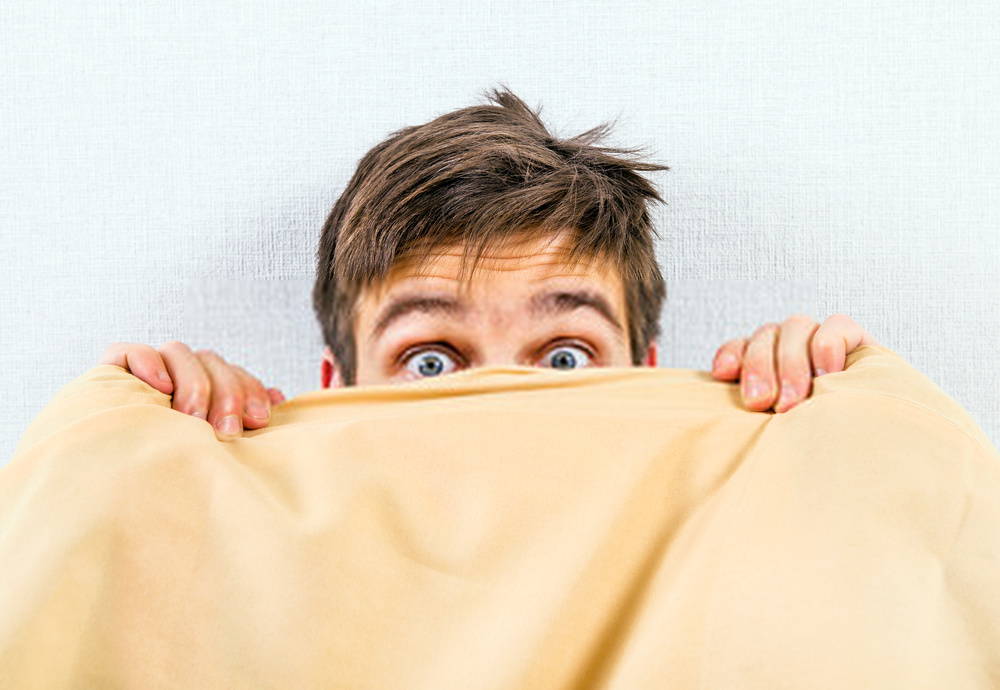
pixel 201 383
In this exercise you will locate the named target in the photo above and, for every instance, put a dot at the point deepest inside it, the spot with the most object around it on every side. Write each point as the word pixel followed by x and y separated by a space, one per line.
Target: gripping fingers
pixel 794 367
pixel 257 408
pixel 227 397
pixel 142 361
pixel 728 359
pixel 759 385
pixel 192 385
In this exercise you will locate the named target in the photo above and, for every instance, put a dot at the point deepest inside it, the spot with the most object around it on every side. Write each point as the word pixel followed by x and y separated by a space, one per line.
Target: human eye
pixel 566 355
pixel 429 360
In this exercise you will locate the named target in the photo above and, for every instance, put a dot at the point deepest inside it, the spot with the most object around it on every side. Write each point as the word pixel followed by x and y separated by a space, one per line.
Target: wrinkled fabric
pixel 507 527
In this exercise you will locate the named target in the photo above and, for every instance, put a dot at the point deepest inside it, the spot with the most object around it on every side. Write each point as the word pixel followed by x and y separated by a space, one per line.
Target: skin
pixel 496 330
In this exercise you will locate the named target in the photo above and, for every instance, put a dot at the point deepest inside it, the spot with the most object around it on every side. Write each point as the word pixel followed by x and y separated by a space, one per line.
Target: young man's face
pixel 503 317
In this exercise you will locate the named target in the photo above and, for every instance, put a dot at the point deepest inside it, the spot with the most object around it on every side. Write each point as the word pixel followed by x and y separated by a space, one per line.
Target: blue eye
pixel 563 358
pixel 428 362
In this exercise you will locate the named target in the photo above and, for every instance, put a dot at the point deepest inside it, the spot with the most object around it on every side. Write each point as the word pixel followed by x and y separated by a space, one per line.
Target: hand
pixel 202 384
pixel 789 353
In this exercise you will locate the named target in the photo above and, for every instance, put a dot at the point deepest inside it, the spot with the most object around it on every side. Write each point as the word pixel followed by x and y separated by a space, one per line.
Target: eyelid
pixel 575 342
pixel 415 350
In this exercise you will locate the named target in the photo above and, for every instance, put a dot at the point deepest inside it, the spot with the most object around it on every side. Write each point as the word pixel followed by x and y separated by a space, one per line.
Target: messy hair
pixel 481 176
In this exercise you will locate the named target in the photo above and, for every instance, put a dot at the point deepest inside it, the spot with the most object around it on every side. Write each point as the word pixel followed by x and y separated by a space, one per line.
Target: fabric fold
pixel 507 527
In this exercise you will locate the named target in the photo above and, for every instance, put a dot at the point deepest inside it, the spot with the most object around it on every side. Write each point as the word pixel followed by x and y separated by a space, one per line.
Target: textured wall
pixel 166 168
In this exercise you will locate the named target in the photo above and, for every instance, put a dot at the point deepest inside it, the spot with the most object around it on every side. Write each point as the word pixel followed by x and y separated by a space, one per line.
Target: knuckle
pixel 173 345
pixel 194 404
pixel 198 388
pixel 230 403
pixel 823 345
pixel 188 406
pixel 766 328
pixel 115 347
pixel 187 402
pixel 196 397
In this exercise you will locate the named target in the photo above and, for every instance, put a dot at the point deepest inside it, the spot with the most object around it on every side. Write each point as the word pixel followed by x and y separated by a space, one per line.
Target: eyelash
pixel 441 346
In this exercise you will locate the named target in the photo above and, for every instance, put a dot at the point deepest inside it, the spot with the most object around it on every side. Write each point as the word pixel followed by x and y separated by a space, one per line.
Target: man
pixel 563 274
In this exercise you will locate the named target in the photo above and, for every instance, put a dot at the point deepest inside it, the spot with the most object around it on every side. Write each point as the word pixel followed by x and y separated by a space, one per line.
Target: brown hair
pixel 482 175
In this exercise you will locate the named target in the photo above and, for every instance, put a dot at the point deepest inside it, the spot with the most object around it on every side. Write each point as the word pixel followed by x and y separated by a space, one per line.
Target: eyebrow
pixel 541 304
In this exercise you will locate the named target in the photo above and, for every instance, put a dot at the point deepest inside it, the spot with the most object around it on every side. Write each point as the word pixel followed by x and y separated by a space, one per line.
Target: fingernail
pixel 200 414
pixel 163 376
pixel 754 388
pixel 820 372
pixel 230 425
pixel 787 393
pixel 256 409
pixel 725 360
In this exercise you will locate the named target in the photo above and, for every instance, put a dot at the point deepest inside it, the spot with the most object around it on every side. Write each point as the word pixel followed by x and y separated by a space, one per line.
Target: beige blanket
pixel 507 527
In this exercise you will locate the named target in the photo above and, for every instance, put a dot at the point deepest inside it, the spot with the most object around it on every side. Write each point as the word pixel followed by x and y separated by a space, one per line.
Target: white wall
pixel 166 167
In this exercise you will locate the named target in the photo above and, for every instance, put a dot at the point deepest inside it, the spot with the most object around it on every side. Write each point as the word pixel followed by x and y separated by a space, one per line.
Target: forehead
pixel 519 261
pixel 505 278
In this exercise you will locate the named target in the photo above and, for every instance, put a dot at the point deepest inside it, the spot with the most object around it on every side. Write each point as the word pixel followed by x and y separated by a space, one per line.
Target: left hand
pixel 787 353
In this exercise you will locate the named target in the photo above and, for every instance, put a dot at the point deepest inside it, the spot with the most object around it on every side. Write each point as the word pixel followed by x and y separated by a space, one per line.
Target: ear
pixel 651 355
pixel 329 371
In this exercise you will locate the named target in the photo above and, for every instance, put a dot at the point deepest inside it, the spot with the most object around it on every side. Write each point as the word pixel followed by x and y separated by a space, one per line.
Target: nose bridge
pixel 500 322
pixel 501 330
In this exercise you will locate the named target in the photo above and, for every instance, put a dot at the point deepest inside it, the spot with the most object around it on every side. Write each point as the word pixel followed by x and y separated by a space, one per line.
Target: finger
pixel 225 408
pixel 257 403
pixel 142 361
pixel 276 396
pixel 794 365
pixel 728 359
pixel 192 385
pixel 838 336
pixel 868 339
pixel 758 379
